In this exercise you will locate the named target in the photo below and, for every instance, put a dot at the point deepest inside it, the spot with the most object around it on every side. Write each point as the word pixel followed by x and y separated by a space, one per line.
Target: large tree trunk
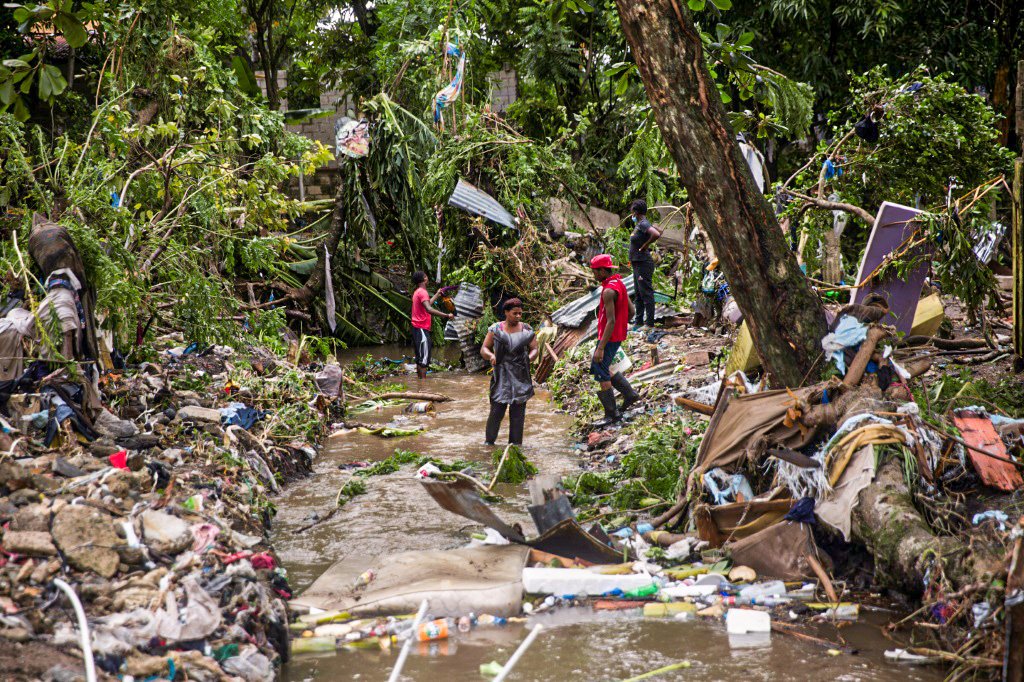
pixel 784 315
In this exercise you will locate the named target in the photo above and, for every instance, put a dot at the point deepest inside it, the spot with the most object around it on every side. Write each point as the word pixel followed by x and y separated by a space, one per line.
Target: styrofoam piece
pixel 573 581
pixel 715 579
pixel 742 621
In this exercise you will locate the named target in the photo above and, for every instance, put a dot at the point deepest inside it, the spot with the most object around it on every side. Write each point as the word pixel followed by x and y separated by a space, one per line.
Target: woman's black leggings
pixel 516 421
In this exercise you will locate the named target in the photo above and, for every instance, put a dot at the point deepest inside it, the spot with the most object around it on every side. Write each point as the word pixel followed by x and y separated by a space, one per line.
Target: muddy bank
pixel 158 523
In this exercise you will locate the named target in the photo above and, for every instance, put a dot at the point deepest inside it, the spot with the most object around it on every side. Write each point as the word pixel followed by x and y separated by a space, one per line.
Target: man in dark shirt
pixel 644 235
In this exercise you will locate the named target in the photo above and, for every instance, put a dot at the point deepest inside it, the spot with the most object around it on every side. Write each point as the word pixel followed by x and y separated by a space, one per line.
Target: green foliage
pixel 650 474
pixel 964 389
pixel 926 137
pixel 516 467
pixel 352 489
pixel 400 458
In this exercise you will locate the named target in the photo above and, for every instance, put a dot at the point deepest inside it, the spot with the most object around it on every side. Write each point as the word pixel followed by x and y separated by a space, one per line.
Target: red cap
pixel 602 260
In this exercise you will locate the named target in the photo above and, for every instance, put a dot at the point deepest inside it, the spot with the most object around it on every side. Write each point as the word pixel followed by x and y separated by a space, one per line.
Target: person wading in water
pixel 640 242
pixel 422 309
pixel 613 315
pixel 510 347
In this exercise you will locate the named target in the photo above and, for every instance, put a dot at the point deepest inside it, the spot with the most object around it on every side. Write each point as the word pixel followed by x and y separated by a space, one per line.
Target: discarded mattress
pixel 738 519
pixel 487 579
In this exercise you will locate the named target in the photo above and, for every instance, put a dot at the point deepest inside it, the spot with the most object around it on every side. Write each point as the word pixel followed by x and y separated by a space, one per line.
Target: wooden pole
pixel 1018 259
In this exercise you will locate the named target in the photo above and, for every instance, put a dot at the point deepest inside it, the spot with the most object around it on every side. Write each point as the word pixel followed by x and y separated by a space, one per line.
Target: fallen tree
pixel 783 314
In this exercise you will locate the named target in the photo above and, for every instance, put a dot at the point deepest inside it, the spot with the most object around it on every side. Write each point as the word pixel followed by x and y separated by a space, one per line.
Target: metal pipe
pixel 404 653
pixel 507 668
pixel 83 629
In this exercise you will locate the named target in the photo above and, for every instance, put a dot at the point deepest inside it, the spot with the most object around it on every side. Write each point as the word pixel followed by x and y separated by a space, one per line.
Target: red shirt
pixel 420 316
pixel 621 309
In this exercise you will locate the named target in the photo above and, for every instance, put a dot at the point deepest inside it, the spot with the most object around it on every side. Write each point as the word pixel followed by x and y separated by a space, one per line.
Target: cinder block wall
pixel 504 88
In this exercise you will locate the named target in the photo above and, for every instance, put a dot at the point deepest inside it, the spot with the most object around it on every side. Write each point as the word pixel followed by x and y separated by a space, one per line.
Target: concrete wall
pixel 504 89
pixel 282 81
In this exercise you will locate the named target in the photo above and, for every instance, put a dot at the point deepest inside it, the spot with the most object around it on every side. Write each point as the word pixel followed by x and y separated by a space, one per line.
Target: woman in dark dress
pixel 510 347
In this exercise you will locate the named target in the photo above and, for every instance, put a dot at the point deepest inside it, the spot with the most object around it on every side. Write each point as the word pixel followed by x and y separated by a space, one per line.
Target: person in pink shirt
pixel 422 309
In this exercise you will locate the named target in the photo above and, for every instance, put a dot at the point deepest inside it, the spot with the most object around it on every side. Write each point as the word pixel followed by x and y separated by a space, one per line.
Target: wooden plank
pixel 978 432
pixel 1013 663
pixel 1018 257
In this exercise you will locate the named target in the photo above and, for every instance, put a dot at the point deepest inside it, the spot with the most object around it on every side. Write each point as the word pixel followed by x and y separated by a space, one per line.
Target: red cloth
pixel 420 316
pixel 621 309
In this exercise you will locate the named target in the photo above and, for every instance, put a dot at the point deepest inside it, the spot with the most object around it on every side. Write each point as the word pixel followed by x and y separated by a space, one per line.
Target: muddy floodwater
pixel 397 515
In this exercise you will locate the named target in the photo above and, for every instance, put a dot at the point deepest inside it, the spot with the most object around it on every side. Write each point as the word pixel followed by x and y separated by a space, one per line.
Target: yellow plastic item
pixel 614 569
pixel 660 610
pixel 928 317
pixel 742 355
pixel 683 573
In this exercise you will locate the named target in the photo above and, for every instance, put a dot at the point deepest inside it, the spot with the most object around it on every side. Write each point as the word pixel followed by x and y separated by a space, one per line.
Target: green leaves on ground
pixel 515 469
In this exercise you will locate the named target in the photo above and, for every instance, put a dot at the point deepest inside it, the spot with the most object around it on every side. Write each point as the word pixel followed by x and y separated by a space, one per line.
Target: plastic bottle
pixel 365 579
pixel 752 601
pixel 488 619
pixel 774 588
pixel 435 629
pixel 641 592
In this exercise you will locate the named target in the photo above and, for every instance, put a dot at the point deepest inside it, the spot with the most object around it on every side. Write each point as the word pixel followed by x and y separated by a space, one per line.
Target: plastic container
pixel 420 407
pixel 434 630
pixel 742 621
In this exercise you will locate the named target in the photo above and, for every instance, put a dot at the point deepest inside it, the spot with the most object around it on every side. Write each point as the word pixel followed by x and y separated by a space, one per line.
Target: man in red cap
pixel 613 315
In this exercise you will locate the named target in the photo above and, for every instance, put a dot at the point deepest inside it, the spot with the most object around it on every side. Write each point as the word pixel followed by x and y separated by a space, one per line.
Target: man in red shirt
pixel 613 315
pixel 422 309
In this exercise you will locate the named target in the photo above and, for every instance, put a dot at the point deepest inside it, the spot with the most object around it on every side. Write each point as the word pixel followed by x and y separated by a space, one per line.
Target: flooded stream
pixel 397 515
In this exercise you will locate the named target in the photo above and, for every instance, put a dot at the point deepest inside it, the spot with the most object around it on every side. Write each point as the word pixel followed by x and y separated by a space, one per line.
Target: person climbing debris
pixel 510 346
pixel 613 315
pixel 422 309
pixel 640 241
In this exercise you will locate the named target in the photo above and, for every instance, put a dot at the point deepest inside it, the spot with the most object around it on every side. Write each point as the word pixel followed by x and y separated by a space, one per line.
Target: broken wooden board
pixel 893 229
pixel 977 431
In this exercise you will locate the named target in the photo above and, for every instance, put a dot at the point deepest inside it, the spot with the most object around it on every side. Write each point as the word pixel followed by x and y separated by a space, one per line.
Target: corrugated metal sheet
pixel 469 198
pixel 575 314
pixel 469 307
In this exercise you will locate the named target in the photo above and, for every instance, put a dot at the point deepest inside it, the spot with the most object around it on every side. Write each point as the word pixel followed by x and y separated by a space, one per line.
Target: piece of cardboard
pixel 893 228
